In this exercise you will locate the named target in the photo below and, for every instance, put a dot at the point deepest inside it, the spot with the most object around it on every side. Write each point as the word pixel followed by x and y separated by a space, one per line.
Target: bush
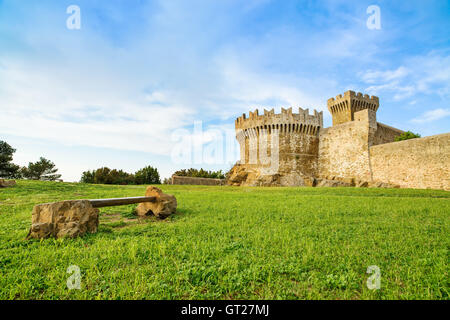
pixel 147 175
pixel 406 136
pixel 200 173
pixel 105 175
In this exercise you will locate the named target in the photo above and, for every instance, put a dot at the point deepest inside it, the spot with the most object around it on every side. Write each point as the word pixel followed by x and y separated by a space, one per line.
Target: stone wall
pixel 385 134
pixel 415 163
pixel 197 181
pixel 298 153
pixel 344 148
pixel 277 149
pixel 355 148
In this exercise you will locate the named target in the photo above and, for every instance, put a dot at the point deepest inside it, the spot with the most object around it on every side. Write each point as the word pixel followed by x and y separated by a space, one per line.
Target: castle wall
pixel 297 149
pixel 344 148
pixel 415 163
pixel 298 153
pixel 355 147
pixel 385 134
pixel 284 144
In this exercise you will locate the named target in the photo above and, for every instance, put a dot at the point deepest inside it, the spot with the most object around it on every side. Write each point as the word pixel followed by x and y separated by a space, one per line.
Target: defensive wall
pixel 356 147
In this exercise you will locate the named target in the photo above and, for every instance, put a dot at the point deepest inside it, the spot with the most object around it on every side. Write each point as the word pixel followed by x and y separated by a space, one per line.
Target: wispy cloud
pixel 428 74
pixel 432 115
pixel 385 76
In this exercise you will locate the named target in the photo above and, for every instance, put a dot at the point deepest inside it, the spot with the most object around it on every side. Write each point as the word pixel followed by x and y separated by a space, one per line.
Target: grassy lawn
pixel 234 243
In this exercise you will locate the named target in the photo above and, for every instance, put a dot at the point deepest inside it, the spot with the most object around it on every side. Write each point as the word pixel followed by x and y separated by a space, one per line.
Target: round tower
pixel 284 146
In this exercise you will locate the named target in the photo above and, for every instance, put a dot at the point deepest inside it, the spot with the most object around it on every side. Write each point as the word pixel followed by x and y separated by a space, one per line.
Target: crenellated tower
pixel 283 144
pixel 343 107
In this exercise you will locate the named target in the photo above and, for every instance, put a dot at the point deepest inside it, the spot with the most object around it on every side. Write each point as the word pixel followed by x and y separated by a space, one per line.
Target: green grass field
pixel 233 243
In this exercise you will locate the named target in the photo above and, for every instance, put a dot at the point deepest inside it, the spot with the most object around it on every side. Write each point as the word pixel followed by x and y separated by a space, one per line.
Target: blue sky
pixel 127 88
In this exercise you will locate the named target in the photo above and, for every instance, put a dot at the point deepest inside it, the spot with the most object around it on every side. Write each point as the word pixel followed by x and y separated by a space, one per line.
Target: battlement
pixel 343 107
pixel 286 118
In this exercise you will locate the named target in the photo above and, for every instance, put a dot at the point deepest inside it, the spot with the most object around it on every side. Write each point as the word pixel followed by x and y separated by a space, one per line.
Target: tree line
pixel 147 175
pixel 200 173
pixel 105 175
pixel 43 169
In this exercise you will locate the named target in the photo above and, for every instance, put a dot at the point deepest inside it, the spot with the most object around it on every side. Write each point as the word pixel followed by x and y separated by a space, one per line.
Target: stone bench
pixel 73 218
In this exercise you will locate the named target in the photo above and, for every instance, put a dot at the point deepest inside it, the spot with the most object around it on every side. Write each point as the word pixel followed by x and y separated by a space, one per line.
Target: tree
pixel 87 177
pixel 407 135
pixel 102 176
pixel 7 168
pixel 121 177
pixel 41 170
pixel 147 175
pixel 200 173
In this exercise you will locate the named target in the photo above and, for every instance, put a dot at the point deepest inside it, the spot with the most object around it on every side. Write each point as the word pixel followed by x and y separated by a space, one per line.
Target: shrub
pixel 407 135
pixel 147 175
pixel 200 173
pixel 105 175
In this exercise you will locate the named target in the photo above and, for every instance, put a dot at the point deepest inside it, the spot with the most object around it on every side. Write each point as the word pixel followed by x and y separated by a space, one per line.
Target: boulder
pixel 6 184
pixel 333 183
pixel 378 184
pixel 164 206
pixel 292 180
pixel 71 219
pixel 349 181
pixel 310 181
pixel 237 176
pixel 362 184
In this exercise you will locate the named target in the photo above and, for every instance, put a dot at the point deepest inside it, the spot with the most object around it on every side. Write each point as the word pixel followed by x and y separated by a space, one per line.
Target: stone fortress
pixel 294 149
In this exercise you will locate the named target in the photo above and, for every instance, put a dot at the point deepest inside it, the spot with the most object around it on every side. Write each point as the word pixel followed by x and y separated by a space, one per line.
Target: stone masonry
pixel 293 149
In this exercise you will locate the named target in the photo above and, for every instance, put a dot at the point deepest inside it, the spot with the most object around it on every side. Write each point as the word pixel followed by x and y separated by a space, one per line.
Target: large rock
pixel 362 184
pixel 7 183
pixel 237 175
pixel 378 184
pixel 333 183
pixel 63 219
pixel 311 181
pixel 164 206
pixel 291 180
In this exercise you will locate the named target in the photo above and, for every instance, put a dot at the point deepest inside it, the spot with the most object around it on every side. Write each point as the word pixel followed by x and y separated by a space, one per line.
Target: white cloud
pixel 385 76
pixel 432 115
pixel 429 74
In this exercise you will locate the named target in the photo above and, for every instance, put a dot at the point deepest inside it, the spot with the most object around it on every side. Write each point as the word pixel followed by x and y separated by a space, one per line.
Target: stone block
pixel 164 206
pixel 71 219
pixel 7 183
